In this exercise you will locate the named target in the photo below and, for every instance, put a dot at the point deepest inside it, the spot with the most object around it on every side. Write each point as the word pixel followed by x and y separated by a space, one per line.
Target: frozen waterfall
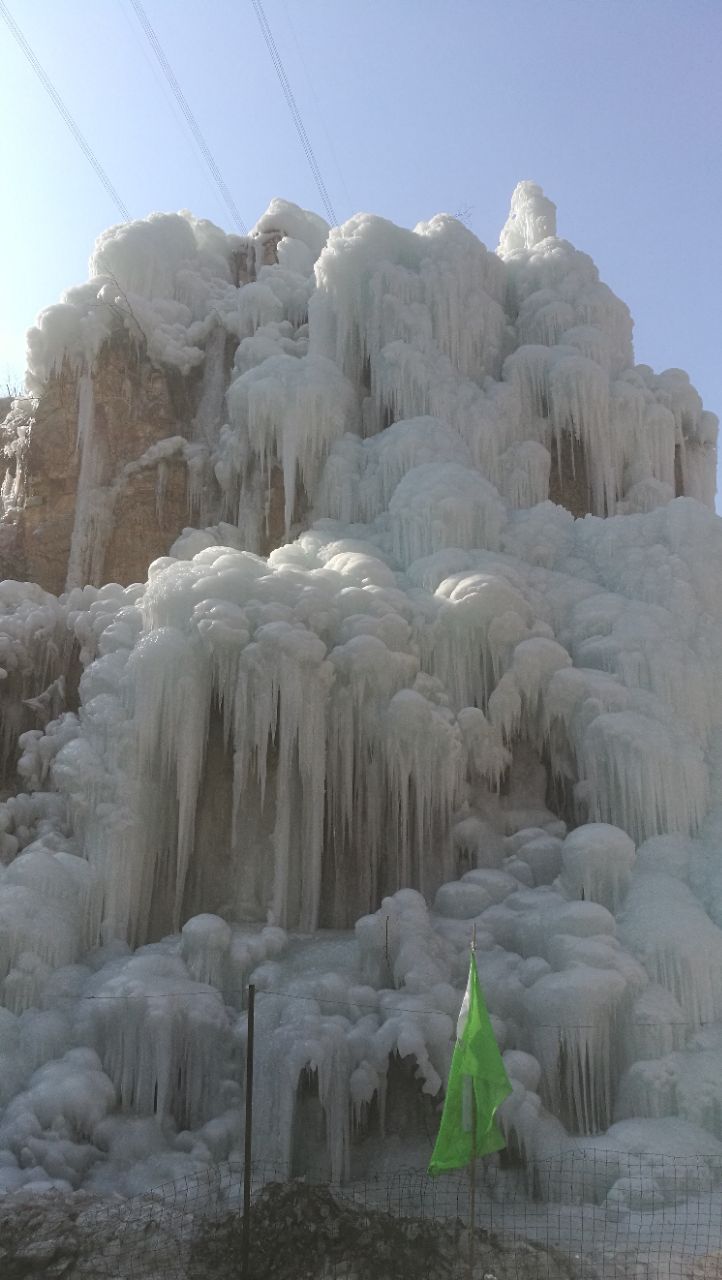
pixel 476 683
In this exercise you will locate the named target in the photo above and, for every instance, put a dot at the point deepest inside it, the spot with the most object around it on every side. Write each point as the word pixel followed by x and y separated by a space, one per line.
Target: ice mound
pixel 441 705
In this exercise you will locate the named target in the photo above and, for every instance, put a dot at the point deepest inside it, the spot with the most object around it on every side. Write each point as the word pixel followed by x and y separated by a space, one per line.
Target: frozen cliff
pixel 432 641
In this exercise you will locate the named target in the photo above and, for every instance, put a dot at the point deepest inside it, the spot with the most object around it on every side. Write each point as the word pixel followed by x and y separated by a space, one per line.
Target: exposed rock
pixel 136 407
pixel 140 484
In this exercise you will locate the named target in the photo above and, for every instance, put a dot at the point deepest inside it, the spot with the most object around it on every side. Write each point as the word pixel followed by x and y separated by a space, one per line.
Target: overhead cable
pixel 293 108
pixel 309 81
pixel 191 121
pixel 321 998
pixel 60 106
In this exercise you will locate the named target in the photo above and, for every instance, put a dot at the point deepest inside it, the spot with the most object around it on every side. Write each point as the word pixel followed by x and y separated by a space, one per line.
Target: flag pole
pixel 472 1185
pixel 248 1149
pixel 472 1164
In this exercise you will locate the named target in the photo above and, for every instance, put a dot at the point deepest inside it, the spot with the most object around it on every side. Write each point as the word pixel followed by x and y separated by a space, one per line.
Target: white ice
pixel 442 705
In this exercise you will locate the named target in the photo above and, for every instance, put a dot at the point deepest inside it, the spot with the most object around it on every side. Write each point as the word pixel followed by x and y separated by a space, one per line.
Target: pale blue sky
pixel 412 106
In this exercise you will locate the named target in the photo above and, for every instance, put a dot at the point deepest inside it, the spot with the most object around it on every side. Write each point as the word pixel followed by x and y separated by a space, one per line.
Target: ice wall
pixel 440 703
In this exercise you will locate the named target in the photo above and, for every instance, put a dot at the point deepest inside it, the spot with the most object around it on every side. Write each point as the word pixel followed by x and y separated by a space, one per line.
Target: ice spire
pixel 532 218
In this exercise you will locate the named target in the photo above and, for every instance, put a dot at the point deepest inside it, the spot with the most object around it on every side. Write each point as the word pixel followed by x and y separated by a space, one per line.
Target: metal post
pixel 248 1145
pixel 472 1166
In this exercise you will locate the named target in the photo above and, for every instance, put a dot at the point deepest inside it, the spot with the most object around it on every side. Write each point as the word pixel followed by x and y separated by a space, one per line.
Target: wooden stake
pixel 248 1145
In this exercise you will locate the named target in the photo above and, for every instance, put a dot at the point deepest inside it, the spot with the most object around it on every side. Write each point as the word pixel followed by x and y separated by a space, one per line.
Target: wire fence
pixel 590 1214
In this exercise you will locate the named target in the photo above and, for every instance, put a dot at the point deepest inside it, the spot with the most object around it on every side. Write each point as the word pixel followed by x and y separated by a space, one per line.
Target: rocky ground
pixel 309 1233
pixel 299 1232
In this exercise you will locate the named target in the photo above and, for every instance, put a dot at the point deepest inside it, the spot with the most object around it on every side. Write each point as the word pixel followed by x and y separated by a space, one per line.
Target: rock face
pixel 133 410
pixel 143 424
pixel 40 482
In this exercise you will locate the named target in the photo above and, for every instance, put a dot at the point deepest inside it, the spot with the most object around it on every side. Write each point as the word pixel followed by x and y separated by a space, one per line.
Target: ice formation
pixel 477 686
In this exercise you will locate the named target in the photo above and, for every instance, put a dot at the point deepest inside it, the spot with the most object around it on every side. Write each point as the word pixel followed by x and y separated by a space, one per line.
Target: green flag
pixel 476 1065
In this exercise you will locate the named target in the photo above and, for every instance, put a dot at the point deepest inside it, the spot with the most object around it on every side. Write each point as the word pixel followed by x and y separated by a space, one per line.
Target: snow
pixel 441 706
pixel 299 226
pixel 168 280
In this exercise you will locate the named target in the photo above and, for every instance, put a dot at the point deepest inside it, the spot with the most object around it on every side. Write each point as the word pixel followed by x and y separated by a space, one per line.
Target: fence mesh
pixel 590 1214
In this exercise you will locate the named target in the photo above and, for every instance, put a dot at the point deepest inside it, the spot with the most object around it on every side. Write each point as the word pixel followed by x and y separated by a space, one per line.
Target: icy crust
pixel 524 357
pixel 446 696
pixel 95 1097
pixel 292 739
pixel 169 280
pixel 382 702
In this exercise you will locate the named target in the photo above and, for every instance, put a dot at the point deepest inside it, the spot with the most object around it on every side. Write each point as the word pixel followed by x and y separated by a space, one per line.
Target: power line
pixel 189 116
pixel 293 108
pixel 164 89
pixel 60 106
pixel 309 82
pixel 390 1011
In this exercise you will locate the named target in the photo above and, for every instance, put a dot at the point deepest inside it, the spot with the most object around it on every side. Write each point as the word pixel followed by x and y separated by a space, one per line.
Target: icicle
pixel 291 410
pixel 93 507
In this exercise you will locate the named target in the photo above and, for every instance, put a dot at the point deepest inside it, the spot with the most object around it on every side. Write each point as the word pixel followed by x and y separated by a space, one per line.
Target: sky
pixel 413 107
